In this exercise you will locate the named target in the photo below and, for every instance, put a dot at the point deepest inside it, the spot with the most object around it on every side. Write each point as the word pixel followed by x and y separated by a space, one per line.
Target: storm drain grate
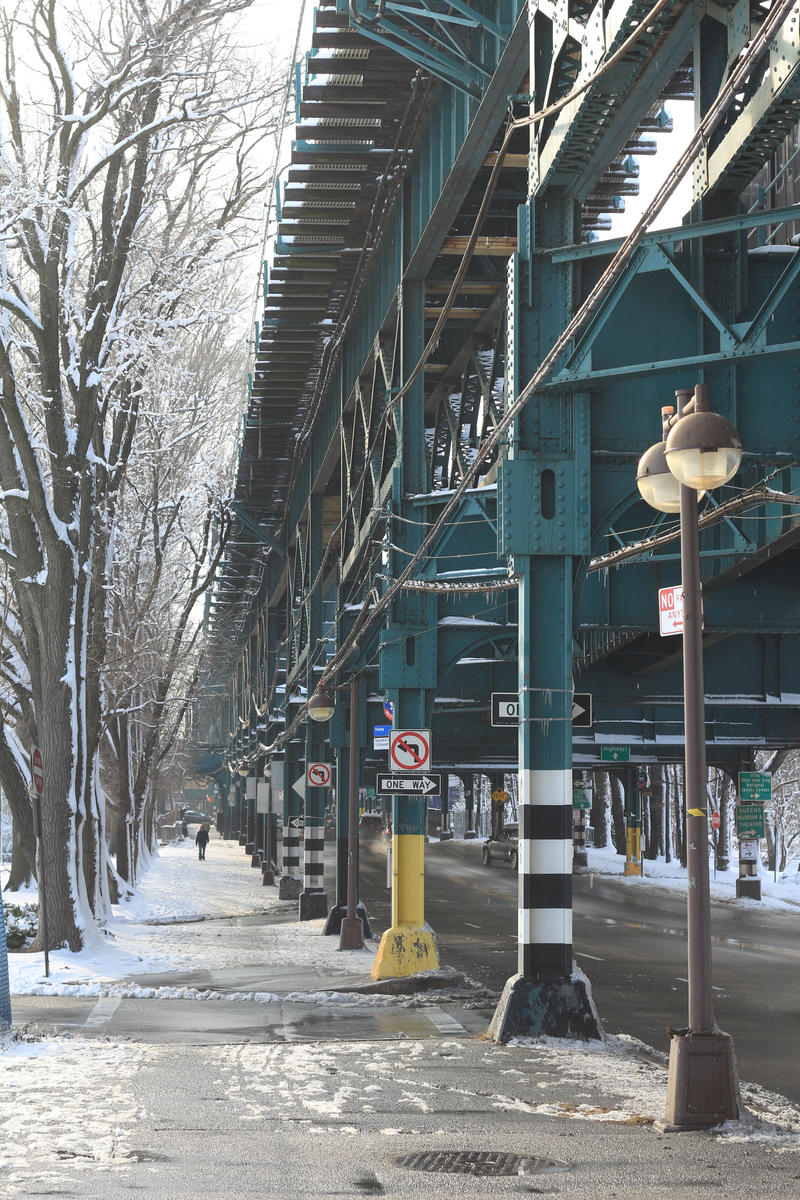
pixel 477 1162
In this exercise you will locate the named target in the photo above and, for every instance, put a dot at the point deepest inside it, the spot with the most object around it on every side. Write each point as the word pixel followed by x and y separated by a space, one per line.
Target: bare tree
pixel 128 165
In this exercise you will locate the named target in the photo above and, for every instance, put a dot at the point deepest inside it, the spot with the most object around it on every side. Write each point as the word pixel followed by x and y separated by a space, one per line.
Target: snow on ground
pixel 782 894
pixel 61 1108
pixel 45 1084
pixel 175 923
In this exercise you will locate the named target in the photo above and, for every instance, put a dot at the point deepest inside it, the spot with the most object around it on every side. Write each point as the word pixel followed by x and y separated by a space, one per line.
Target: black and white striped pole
pixel 546 996
pixel 313 898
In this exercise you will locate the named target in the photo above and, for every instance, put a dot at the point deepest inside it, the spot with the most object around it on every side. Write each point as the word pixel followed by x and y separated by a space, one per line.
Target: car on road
pixel 503 848
pixel 371 825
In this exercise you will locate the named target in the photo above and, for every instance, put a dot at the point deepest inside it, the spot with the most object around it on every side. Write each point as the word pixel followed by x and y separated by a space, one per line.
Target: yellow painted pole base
pixel 405 950
pixel 632 868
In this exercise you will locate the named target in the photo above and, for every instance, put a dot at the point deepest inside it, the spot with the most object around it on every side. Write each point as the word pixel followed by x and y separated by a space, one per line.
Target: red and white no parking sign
pixel 409 749
pixel 37 770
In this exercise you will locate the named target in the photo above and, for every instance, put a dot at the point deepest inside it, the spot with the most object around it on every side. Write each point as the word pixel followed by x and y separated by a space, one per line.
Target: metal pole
pixel 701 1084
pixel 37 808
pixel 701 1015
pixel 351 936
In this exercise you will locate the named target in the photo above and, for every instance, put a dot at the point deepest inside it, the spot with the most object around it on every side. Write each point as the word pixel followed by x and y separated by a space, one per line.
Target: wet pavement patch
pixel 478 1162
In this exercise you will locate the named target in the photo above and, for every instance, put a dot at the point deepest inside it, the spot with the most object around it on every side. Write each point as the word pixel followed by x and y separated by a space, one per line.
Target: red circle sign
pixel 715 819
pixel 409 749
pixel 319 774
pixel 37 770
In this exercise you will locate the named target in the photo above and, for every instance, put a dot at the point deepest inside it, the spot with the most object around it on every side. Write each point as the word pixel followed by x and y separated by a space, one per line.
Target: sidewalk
pixel 206 1051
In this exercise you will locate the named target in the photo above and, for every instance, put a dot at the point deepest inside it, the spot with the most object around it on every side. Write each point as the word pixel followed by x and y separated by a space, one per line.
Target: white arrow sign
pixel 419 785
pixel 299 786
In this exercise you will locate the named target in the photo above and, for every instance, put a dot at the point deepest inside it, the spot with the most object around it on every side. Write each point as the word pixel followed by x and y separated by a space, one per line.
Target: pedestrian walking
pixel 201 841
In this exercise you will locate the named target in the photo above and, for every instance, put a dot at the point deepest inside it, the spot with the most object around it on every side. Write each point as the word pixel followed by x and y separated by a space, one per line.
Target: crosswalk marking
pixel 445 1023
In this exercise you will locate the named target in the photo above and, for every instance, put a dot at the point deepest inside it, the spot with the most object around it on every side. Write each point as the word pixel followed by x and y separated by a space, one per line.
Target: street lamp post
pixel 700 450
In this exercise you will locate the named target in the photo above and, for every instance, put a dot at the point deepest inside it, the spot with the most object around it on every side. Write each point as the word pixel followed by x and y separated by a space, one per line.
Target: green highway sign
pixel 749 821
pixel 615 754
pixel 580 799
pixel 755 786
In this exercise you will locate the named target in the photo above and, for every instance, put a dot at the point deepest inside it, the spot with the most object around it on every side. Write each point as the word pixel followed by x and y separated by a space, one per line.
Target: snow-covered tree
pixel 129 159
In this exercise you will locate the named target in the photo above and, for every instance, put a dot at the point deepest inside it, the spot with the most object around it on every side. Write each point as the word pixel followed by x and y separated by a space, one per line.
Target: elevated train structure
pixel 454 379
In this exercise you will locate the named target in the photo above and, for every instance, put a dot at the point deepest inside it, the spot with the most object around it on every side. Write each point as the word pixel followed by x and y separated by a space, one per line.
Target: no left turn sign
pixel 409 750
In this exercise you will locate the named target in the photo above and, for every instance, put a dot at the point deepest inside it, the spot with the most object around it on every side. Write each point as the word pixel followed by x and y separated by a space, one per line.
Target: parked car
pixel 371 825
pixel 502 848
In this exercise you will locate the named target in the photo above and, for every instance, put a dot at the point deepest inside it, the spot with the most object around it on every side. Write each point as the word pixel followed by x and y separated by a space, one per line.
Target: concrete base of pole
pixel 289 888
pixel 579 859
pixel 313 905
pixel 255 859
pixel 405 950
pixel 702 1089
pixel 748 887
pixel 469 835
pixel 249 847
pixel 267 876
pixel 632 868
pixel 242 839
pixel 351 935
pixel 338 913
pixel 555 1007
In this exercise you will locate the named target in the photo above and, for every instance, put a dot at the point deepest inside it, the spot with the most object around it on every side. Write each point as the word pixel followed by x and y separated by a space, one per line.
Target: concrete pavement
pixel 302 1096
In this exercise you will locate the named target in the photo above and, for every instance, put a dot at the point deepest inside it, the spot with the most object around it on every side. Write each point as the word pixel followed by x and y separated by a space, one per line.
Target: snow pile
pixel 782 894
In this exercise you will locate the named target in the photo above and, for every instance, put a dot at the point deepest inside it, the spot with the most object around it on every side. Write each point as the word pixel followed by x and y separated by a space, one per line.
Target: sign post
pixel 36 790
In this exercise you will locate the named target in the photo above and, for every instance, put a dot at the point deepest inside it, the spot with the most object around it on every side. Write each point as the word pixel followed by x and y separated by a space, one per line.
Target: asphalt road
pixel 630 939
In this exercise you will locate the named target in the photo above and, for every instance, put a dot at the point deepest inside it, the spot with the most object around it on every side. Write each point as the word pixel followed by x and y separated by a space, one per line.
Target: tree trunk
pixel 618 813
pixel 680 813
pixel 23 840
pixel 600 803
pixel 655 843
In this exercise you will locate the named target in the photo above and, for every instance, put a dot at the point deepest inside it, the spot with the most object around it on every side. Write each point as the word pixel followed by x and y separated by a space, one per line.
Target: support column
pixel 341 736
pixel 291 883
pixel 545 996
pixel 409 945
pixel 408 662
pixel 250 810
pixel 633 823
pixel 313 899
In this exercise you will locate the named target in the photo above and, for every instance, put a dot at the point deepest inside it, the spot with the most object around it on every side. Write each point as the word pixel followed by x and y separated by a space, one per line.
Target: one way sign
pixel 505 709
pixel 410 785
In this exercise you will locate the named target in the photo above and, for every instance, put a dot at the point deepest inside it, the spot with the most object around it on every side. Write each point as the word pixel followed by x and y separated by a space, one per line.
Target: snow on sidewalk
pixel 175 923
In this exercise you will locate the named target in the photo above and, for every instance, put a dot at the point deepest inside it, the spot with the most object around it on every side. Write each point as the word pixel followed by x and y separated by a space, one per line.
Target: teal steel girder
pixel 457 42
pixel 751 333
pixel 569 46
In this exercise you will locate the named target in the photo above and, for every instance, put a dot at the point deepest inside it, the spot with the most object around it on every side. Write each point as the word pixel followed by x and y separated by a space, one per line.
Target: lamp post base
pixel 351 934
pixel 338 913
pixel 702 1089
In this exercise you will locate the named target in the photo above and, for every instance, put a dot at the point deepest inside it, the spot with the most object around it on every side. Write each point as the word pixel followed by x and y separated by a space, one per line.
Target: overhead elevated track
pixel 383 424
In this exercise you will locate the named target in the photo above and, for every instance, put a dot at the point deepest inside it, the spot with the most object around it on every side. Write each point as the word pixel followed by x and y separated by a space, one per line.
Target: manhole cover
pixel 477 1162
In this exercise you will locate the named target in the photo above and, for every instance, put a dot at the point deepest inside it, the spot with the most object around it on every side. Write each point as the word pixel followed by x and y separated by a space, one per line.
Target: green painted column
pixel 408 668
